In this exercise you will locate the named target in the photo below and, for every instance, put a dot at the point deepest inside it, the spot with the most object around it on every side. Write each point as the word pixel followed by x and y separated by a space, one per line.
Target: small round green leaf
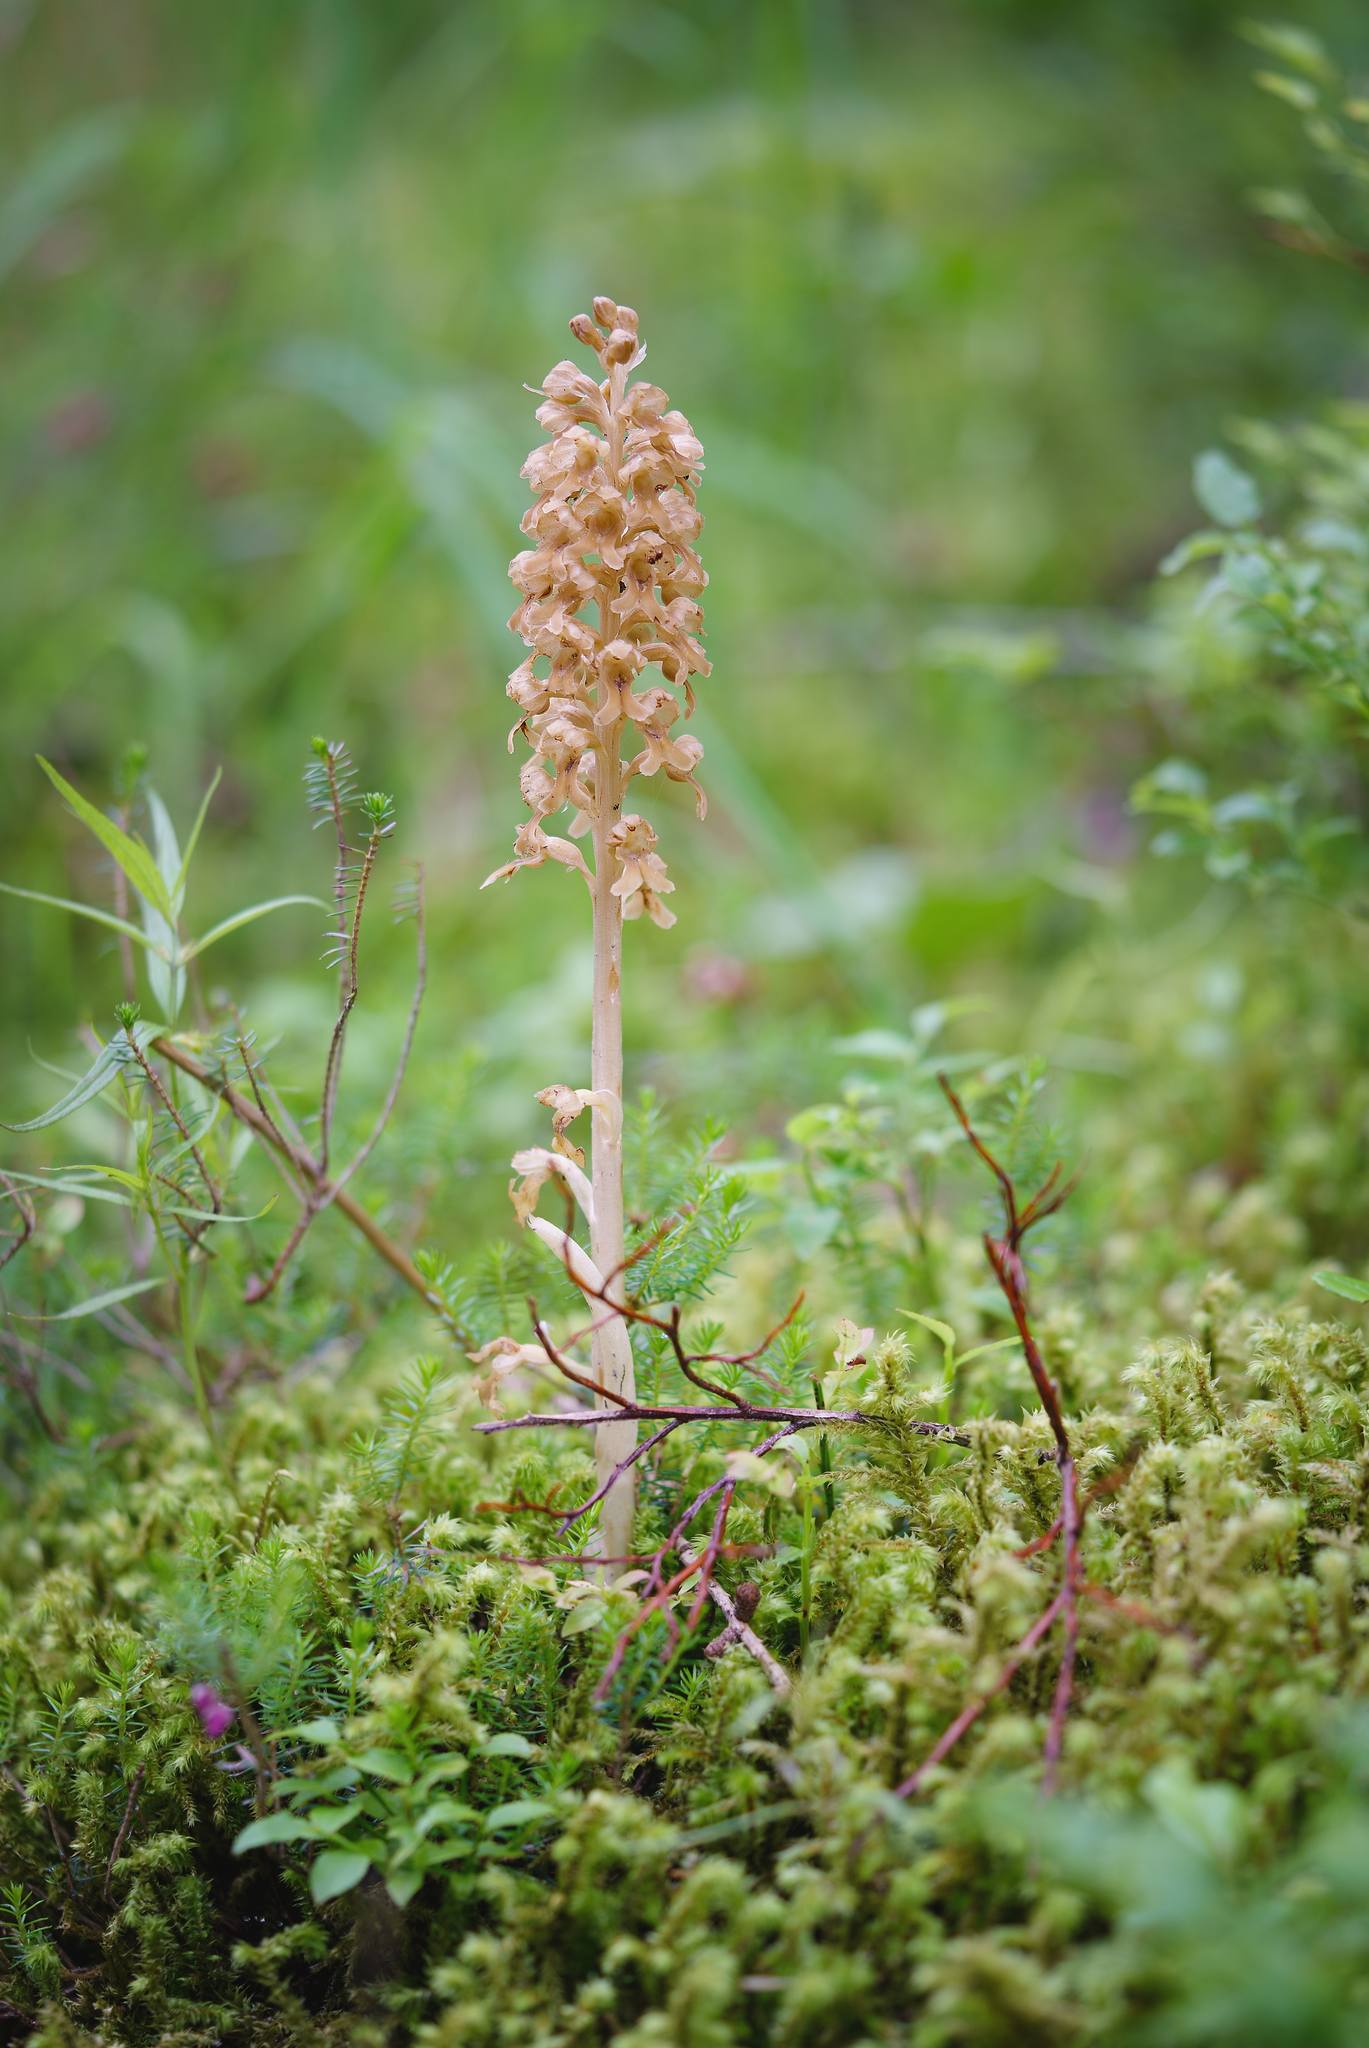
pixel 336 1871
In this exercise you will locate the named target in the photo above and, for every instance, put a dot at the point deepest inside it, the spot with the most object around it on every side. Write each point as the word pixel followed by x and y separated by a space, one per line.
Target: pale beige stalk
pixel 611 1347
pixel 614 522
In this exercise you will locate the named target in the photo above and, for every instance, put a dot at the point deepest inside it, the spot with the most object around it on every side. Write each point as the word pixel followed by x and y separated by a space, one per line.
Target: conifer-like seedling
pixel 610 617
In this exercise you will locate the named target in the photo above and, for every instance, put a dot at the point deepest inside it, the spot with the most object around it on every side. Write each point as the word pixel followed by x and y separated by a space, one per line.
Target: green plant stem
pixel 805 1569
pixel 188 1311
pixel 829 1498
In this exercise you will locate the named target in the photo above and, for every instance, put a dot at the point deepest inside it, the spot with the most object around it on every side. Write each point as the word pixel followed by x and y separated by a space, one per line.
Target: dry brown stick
pixel 125 1824
pixel 387 1108
pixel 325 1189
pixel 739 1631
pixel 968 1715
pixel 154 1081
pixel 28 1220
pixel 1005 1260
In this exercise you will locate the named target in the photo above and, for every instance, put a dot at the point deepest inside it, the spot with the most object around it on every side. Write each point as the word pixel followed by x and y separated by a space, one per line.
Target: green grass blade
pixel 131 855
pixel 110 1059
pixel 248 916
pixel 87 910
pixel 178 891
pixel 94 1303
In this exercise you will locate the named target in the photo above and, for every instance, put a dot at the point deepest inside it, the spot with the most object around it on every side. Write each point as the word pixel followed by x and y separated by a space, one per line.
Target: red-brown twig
pixel 572 1515
pixel 738 1613
pixel 387 1108
pixel 158 1087
pixel 1004 1254
pixel 28 1221
pixel 125 1824
pixel 304 1164
pixel 318 1188
pixel 669 1325
pixel 731 1406
pixel 521 1505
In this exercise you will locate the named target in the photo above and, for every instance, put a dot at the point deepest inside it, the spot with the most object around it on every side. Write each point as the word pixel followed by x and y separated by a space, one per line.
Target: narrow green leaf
pixel 248 916
pixel 110 1059
pixel 88 910
pixel 178 893
pixel 403 1884
pixel 67 1179
pixel 95 1302
pixel 166 851
pixel 943 1332
pixel 166 982
pixel 62 1184
pixel 65 166
pixel 1295 91
pixel 1343 1284
pixel 982 1350
pixel 1198 547
pixel 91 1191
pixel 1291 46
pixel 131 855
pixel 336 1871
pixel 219 1215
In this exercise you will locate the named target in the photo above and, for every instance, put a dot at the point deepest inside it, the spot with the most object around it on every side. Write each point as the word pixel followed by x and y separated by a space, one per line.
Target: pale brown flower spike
pixel 615 522
pixel 610 593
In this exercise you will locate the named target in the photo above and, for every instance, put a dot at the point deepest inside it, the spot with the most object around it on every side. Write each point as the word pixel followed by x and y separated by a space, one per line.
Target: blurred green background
pixel 952 294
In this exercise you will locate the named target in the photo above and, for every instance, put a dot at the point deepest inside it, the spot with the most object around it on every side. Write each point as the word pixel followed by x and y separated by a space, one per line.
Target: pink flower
pixel 216 1716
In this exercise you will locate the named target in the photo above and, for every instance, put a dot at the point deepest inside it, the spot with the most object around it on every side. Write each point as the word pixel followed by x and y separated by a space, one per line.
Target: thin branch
pixel 622 1406
pixel 125 1824
pixel 624 1464
pixel 254 1081
pixel 1072 1519
pixel 331 756
pixel 158 1088
pixel 1005 1260
pixel 247 1113
pixel 24 1376
pixel 323 1191
pixel 259 1286
pixel 740 1632
pixel 967 1716
pixel 387 1108
pixel 728 1406
pixel 645 1411
pixel 332 1071
pixel 28 1221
